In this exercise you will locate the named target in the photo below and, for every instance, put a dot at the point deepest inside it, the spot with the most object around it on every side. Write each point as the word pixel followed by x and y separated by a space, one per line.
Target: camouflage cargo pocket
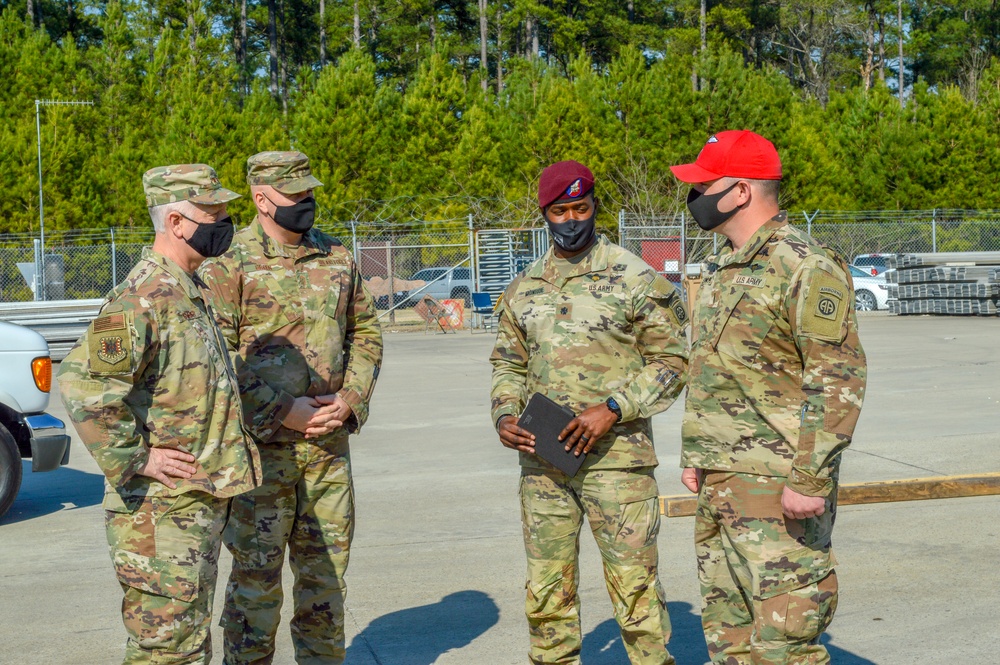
pixel 791 570
pixel 161 578
pixel 799 615
pixel 638 519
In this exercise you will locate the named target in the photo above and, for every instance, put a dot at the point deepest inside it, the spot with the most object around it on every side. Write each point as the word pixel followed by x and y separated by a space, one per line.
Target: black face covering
pixel 573 234
pixel 211 239
pixel 705 208
pixel 298 217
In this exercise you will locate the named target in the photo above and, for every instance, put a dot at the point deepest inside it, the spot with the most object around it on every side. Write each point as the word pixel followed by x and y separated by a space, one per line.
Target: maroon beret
pixel 564 180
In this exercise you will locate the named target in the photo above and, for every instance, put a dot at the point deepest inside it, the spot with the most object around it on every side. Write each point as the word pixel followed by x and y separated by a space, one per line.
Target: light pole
pixel 40 268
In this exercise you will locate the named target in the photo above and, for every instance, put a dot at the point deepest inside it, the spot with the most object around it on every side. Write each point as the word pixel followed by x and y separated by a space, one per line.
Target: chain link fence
pixel 403 261
pixel 669 242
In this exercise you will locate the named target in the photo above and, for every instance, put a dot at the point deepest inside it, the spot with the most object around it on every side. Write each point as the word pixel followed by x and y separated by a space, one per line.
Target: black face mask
pixel 705 208
pixel 298 217
pixel 573 234
pixel 211 239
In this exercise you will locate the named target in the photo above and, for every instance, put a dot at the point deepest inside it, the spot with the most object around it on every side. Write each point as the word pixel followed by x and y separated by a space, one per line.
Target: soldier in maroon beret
pixel 592 327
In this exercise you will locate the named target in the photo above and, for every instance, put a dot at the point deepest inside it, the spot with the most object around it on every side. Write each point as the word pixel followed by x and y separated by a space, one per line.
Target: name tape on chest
pixel 748 280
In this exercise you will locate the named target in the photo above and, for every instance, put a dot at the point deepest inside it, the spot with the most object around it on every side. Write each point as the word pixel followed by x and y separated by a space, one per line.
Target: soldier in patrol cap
pixel 291 301
pixel 152 392
pixel 777 378
pixel 594 328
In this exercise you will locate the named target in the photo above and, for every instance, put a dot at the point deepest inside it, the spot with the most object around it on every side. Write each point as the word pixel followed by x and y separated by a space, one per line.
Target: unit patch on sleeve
pixel 110 345
pixel 825 308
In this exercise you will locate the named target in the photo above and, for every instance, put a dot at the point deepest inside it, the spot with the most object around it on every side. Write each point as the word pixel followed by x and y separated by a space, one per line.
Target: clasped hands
pixel 579 435
pixel 319 415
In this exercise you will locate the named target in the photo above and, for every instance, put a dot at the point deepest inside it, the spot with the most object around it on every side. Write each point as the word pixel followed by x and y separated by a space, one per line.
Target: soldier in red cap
pixel 594 328
pixel 777 378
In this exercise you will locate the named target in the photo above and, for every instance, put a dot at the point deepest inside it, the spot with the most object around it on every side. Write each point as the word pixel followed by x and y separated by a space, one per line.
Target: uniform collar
pixel 760 237
pixel 312 243
pixel 596 260
pixel 190 283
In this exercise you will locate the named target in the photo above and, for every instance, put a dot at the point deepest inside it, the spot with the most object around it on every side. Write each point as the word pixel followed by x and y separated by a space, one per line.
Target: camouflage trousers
pixel 165 552
pixel 305 503
pixel 767 582
pixel 622 509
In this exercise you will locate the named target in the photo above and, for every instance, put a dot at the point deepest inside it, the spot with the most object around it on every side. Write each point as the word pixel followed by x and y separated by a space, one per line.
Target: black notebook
pixel 546 419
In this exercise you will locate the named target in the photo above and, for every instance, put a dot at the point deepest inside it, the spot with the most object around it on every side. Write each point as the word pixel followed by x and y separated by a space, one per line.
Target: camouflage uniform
pixel 303 324
pixel 152 371
pixel 777 380
pixel 609 326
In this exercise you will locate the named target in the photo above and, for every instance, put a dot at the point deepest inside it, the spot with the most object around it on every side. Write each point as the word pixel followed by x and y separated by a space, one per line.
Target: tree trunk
pixel 534 39
pixel 30 12
pixel 899 24
pixel 881 48
pixel 283 63
pixel 483 41
pixel 272 38
pixel 631 11
pixel 499 54
pixel 357 24
pixel 322 33
pixel 241 52
pixel 432 24
pixel 192 29
pixel 703 24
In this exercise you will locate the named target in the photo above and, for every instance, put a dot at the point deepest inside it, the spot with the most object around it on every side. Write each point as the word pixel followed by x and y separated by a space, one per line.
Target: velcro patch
pixel 110 345
pixel 564 312
pixel 680 314
pixel 533 292
pixel 748 280
pixel 825 308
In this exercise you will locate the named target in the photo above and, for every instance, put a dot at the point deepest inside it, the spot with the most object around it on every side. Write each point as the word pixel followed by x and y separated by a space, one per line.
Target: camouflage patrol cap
pixel 196 183
pixel 287 171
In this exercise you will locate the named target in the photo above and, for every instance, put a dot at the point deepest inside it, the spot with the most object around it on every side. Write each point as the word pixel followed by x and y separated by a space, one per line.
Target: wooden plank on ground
pixel 852 494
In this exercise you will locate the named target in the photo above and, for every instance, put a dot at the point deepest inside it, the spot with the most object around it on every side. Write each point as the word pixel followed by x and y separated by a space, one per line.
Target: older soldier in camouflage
pixel 594 328
pixel 777 377
pixel 153 396
pixel 293 304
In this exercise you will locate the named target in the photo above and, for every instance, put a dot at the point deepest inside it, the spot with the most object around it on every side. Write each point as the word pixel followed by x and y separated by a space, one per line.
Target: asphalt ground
pixel 437 565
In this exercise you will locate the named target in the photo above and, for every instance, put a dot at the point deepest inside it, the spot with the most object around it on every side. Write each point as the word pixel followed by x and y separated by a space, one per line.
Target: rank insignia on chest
pixel 564 312
pixel 188 315
pixel 112 350
pixel 619 267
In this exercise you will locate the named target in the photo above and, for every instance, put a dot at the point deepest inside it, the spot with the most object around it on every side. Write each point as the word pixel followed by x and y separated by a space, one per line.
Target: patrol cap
pixel 564 180
pixel 735 154
pixel 196 183
pixel 287 171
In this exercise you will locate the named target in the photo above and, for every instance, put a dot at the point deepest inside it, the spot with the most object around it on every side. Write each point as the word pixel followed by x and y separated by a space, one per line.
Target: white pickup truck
pixel 25 429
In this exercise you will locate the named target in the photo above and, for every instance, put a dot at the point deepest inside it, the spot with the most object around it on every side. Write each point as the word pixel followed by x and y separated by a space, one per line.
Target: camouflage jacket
pixel 153 371
pixel 777 372
pixel 302 323
pixel 611 327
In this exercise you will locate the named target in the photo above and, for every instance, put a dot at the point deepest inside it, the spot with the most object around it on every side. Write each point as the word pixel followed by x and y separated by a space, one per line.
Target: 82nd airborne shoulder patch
pixel 826 308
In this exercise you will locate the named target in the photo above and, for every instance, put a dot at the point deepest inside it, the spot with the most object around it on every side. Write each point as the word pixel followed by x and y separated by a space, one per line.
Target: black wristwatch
pixel 614 408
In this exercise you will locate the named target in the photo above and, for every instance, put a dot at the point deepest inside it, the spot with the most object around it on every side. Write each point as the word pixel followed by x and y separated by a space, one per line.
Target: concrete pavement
pixel 437 565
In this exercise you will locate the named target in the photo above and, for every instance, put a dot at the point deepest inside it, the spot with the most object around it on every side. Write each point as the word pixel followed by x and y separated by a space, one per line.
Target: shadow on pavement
pixel 603 645
pixel 419 635
pixel 52 491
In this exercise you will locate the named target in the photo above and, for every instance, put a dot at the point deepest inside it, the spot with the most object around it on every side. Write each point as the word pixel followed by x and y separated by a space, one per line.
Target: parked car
pixel 873 264
pixel 870 291
pixel 443 282
pixel 25 429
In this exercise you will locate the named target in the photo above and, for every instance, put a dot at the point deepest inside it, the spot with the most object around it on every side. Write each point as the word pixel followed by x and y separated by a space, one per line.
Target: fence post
pixel 934 230
pixel 473 258
pixel 114 260
pixel 38 269
pixel 621 225
pixel 354 243
pixel 684 249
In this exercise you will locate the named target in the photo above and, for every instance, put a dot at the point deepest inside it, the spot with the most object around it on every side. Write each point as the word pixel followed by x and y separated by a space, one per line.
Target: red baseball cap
pixel 735 154
pixel 564 180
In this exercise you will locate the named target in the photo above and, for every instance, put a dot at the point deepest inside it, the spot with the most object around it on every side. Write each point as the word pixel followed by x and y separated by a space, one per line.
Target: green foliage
pixel 399 126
